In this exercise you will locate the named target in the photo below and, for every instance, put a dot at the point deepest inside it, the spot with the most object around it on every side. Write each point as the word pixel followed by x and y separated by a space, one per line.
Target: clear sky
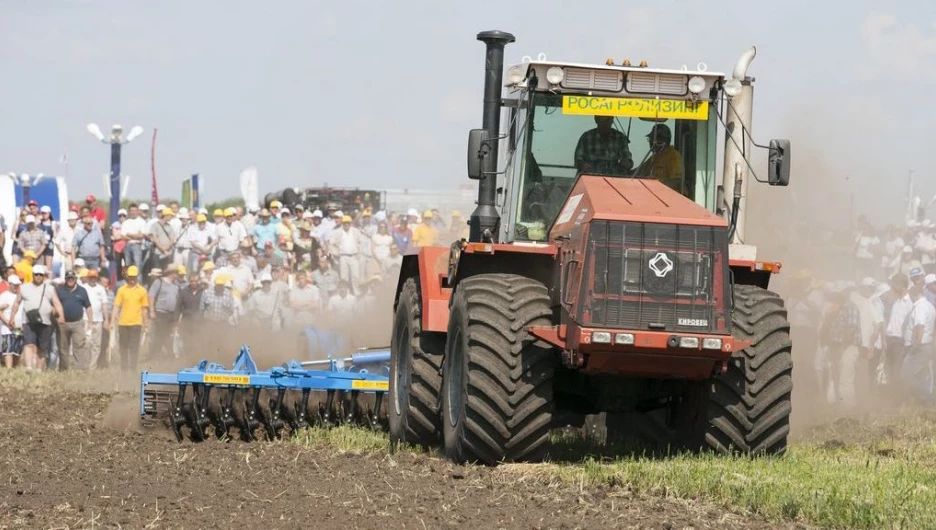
pixel 382 93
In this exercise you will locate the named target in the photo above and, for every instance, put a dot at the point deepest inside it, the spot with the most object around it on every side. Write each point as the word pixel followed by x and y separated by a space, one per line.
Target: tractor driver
pixel 664 162
pixel 603 149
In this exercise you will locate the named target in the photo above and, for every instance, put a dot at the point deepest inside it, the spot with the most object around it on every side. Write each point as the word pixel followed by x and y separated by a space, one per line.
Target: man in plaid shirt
pixel 218 305
pixel 219 313
pixel 33 238
pixel 841 332
pixel 603 149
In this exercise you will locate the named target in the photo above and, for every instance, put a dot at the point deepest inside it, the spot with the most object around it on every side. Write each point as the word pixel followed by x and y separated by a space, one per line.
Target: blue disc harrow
pixel 250 403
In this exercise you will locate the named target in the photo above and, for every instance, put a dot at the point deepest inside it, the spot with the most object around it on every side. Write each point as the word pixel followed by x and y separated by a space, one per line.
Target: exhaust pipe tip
pixel 741 67
pixel 496 37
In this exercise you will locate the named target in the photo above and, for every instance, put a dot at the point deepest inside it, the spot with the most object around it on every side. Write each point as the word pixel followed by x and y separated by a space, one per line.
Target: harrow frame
pixel 343 379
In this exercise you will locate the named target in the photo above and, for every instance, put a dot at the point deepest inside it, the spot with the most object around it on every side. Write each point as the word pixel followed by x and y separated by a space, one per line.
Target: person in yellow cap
pixel 276 208
pixel 131 315
pixel 163 237
pixel 218 215
pixel 458 227
pixel 24 266
pixel 347 245
pixel 425 235
pixel 229 234
pixel 207 272
pixel 219 312
pixel 202 241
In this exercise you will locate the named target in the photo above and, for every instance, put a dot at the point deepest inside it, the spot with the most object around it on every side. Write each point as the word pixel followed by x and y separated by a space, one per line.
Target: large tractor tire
pixel 415 374
pixel 748 407
pixel 497 397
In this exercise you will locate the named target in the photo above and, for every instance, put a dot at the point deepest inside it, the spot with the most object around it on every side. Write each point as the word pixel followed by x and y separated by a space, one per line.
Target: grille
pixel 656 276
pixel 606 80
pixel 646 83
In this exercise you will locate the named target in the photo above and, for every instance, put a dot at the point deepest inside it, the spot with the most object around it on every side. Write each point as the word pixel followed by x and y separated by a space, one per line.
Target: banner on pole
pixel 187 194
pixel 196 190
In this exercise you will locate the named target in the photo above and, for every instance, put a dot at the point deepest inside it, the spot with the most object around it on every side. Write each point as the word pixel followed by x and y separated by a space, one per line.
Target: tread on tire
pixel 415 361
pixel 497 398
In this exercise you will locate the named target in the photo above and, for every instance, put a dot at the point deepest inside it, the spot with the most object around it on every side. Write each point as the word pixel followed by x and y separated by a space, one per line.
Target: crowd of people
pixel 870 337
pixel 185 278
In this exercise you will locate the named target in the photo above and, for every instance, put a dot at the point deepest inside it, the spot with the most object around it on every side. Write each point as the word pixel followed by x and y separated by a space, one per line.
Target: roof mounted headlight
pixel 515 75
pixel 555 75
pixel 732 87
pixel 696 84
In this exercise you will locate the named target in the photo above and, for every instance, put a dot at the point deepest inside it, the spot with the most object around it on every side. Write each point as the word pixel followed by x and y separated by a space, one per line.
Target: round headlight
pixel 732 87
pixel 515 75
pixel 555 75
pixel 696 84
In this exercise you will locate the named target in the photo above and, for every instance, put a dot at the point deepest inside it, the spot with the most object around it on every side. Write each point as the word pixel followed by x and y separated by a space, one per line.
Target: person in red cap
pixel 96 212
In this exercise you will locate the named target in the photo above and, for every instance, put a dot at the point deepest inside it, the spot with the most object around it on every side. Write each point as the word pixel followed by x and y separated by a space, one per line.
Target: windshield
pixel 561 144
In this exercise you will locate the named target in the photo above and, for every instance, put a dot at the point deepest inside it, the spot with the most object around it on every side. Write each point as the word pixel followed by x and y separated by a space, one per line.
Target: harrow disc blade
pixel 176 420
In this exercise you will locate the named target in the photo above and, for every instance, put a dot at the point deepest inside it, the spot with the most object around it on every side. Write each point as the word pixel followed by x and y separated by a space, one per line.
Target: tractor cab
pixel 614 120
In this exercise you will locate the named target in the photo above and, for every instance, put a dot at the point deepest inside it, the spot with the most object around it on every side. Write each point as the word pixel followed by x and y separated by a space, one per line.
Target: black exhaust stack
pixel 485 218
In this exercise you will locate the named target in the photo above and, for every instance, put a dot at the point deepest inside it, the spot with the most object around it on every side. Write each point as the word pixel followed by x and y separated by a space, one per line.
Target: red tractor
pixel 605 278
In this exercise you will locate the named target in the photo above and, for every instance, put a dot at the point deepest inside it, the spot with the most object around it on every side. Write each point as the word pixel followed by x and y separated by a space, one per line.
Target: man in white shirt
pixel 342 304
pixel 305 301
pixel 242 278
pixel 151 220
pixel 230 233
pixel 11 335
pixel 918 341
pixel 179 219
pixel 64 240
pixel 925 244
pixel 133 230
pixel 201 241
pixel 346 244
pixel 871 326
pixel 900 308
pixel 100 315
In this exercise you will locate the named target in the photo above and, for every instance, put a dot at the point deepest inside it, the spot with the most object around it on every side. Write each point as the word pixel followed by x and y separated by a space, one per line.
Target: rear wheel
pixel 747 409
pixel 497 401
pixel 415 379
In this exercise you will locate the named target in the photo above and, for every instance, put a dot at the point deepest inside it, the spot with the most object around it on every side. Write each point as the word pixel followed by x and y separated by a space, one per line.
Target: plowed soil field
pixel 72 458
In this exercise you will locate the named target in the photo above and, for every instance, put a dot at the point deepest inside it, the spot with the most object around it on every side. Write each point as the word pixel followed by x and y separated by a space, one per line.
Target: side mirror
pixel 778 163
pixel 477 149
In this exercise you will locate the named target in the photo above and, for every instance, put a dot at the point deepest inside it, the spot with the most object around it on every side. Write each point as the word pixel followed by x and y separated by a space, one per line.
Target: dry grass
pixel 879 473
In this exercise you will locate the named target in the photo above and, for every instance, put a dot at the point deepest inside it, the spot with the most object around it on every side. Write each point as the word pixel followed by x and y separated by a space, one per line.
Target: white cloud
pixel 893 45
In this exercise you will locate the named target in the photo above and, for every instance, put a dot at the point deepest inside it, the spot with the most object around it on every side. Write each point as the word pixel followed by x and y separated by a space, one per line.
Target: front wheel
pixel 497 401
pixel 747 409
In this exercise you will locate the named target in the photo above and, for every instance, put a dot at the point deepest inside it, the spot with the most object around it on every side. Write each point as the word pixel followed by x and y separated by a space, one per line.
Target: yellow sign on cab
pixel 364 384
pixel 635 107
pixel 226 379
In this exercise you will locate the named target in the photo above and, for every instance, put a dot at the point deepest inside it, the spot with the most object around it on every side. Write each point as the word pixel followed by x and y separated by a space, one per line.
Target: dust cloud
pixel 810 228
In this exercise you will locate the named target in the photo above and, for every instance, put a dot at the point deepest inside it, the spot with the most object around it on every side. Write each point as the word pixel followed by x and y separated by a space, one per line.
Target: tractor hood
pixel 628 199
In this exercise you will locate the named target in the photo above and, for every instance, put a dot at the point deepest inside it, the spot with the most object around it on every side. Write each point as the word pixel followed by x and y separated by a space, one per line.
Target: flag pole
pixel 155 197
